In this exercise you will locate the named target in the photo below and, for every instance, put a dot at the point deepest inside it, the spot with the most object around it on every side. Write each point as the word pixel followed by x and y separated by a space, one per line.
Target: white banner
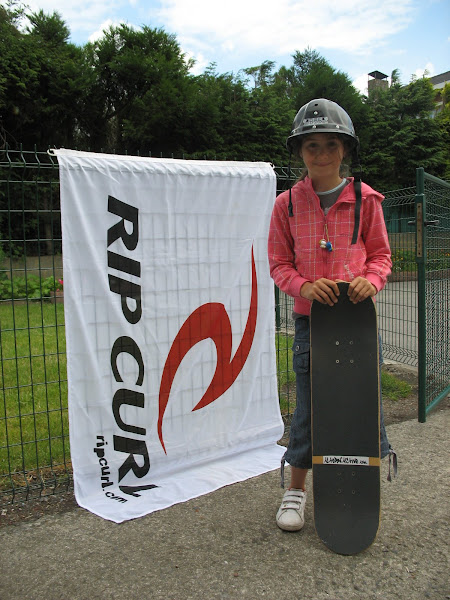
pixel 169 313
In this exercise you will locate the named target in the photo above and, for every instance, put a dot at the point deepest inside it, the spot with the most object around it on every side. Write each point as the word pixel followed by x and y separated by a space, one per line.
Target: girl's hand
pixel 360 289
pixel 324 290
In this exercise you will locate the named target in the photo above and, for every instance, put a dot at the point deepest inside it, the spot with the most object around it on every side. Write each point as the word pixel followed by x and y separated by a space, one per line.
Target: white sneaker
pixel 290 515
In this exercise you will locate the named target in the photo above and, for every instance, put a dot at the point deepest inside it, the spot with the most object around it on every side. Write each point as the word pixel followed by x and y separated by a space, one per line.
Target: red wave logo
pixel 210 321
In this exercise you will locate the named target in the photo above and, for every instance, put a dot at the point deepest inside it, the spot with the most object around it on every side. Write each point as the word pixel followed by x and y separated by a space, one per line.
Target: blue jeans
pixel 299 452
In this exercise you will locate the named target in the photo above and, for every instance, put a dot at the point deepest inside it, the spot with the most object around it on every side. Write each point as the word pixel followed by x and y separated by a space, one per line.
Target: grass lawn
pixel 33 408
pixel 34 430
pixel 286 376
pixel 393 388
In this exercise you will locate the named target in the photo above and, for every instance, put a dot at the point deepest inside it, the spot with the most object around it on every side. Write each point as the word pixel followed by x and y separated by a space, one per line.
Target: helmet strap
pixel 290 207
pixel 356 171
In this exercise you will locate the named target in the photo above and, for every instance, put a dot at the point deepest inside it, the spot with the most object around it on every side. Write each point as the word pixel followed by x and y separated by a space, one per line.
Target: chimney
pixel 377 81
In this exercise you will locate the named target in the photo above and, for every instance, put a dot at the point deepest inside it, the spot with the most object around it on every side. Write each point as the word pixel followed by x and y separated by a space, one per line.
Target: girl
pixel 325 229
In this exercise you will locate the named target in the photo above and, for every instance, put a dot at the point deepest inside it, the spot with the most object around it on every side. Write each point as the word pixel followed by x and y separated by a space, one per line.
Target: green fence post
pixel 277 309
pixel 421 301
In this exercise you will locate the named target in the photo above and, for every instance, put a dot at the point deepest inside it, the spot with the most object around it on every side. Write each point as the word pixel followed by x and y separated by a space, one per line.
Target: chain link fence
pixel 432 222
pixel 34 434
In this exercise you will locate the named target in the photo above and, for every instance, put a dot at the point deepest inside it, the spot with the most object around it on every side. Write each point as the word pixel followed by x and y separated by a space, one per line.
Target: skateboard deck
pixel 345 423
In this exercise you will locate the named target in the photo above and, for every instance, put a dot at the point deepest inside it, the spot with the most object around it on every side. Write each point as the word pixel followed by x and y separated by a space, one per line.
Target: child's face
pixel 322 154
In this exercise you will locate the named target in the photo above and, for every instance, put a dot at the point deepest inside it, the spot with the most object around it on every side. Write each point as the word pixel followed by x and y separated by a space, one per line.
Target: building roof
pixel 378 75
pixel 440 78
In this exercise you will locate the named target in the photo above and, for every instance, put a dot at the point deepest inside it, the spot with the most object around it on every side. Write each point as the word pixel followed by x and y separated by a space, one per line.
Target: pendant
pixel 325 245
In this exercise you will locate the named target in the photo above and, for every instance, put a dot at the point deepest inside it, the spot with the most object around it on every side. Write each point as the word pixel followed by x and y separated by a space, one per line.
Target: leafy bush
pixel 403 260
pixel 438 259
pixel 31 287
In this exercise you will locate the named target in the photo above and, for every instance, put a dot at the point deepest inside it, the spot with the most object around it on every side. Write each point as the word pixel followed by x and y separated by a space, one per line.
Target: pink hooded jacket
pixel 295 256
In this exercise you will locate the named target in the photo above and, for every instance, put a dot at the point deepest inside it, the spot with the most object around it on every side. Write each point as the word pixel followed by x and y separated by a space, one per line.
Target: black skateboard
pixel 345 423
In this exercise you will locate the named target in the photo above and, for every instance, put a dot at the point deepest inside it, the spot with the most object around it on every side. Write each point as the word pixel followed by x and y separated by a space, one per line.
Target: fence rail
pixel 34 434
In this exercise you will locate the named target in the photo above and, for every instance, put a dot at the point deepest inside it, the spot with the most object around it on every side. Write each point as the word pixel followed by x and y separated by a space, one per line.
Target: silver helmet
pixel 321 116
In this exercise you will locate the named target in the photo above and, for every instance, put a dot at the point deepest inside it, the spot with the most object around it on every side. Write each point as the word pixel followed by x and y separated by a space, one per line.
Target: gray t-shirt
pixel 328 198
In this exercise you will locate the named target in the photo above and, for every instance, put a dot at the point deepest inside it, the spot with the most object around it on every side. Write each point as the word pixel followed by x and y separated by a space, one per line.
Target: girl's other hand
pixel 360 289
pixel 323 290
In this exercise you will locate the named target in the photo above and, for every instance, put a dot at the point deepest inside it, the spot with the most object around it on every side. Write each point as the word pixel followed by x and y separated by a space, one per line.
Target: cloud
pixel 226 32
pixel 361 83
pixel 83 16
pixel 200 62
pixel 288 25
pixel 428 71
pixel 100 31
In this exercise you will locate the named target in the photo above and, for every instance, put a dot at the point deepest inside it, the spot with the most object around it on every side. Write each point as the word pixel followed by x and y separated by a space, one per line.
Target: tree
pixel 269 116
pixel 403 134
pixel 133 91
pixel 18 73
pixel 41 83
pixel 443 119
pixel 218 119
pixel 262 74
pixel 139 90
pixel 51 29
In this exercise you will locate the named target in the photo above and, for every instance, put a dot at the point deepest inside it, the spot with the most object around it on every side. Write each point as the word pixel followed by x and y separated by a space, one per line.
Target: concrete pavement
pixel 226 545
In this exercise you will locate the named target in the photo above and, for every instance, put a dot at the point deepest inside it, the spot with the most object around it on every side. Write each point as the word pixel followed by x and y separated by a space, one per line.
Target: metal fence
pixel 34 435
pixel 432 223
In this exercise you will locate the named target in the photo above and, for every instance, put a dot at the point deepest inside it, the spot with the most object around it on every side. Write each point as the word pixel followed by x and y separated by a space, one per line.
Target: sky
pixel 355 36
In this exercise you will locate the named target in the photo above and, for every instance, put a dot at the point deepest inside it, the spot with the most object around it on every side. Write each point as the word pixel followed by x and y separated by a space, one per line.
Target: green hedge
pixel 31 287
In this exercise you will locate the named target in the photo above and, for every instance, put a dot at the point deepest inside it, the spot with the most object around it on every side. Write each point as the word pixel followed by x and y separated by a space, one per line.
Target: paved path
pixel 226 545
